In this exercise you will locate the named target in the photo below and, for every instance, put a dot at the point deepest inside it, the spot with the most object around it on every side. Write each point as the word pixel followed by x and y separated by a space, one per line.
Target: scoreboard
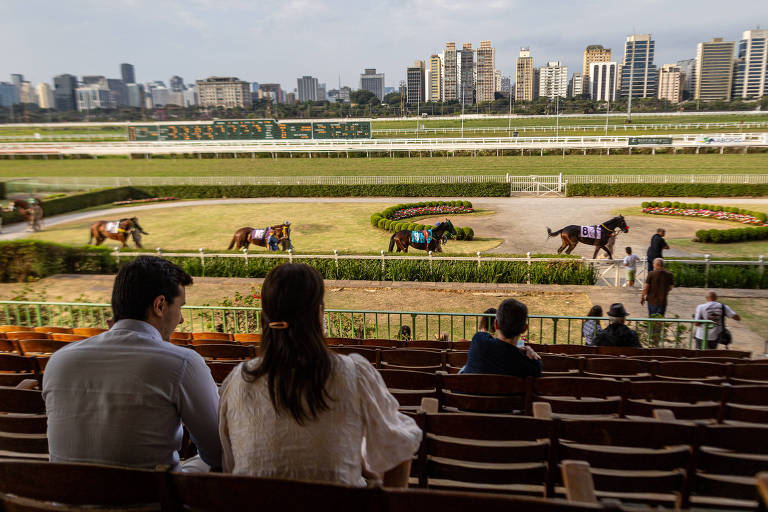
pixel 251 129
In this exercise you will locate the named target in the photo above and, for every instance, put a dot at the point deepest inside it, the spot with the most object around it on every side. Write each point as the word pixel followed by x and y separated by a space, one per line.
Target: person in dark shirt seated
pixel 500 354
pixel 617 334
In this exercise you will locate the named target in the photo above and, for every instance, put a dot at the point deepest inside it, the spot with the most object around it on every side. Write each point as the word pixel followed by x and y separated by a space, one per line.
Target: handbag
pixel 724 338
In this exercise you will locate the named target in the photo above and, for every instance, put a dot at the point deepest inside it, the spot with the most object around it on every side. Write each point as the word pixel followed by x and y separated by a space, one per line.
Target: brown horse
pixel 124 228
pixel 403 238
pixel 242 238
pixel 31 211
pixel 572 235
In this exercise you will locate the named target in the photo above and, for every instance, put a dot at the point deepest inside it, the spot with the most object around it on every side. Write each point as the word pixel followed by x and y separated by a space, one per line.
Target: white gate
pixel 537 185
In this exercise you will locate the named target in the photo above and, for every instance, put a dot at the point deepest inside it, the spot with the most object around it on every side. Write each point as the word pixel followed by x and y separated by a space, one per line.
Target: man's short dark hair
pixel 485 321
pixel 512 316
pixel 138 283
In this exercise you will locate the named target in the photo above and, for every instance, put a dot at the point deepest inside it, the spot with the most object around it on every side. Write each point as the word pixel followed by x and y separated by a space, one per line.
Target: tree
pixel 362 97
pixel 392 98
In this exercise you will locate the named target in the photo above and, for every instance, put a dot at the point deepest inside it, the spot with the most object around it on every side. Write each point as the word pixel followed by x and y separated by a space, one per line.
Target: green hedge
pixel 2 190
pixel 720 276
pixel 105 196
pixel 665 190
pixel 762 217
pixel 726 236
pixel 381 219
pixel 23 260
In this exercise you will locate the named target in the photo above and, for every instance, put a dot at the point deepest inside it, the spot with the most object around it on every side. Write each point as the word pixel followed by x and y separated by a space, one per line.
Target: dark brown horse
pixel 242 238
pixel 117 230
pixel 31 211
pixel 572 235
pixel 403 238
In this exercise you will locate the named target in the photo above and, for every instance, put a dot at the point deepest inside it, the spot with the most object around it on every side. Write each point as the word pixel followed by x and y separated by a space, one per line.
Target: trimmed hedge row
pixel 2 190
pixel 762 217
pixel 104 196
pixel 727 236
pixel 382 221
pixel 666 190
pixel 24 260
pixel 720 276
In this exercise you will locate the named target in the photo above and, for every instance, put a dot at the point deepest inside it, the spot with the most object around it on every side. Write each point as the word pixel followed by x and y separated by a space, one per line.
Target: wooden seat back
pixel 750 371
pixel 418 360
pixel 222 336
pixel 622 351
pixel 687 400
pixel 616 366
pixel 62 336
pixel 25 335
pixel 371 354
pixel 571 349
pixel 580 395
pixel 44 346
pixel 8 346
pixel 243 337
pixel 18 363
pixel 680 370
pixel 410 387
pixel 225 351
pixel 14 328
pixel 50 329
pixel 221 369
pixel 484 393
pixel 88 331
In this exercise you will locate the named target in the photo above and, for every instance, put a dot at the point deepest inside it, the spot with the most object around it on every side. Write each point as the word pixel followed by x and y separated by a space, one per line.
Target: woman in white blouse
pixel 300 411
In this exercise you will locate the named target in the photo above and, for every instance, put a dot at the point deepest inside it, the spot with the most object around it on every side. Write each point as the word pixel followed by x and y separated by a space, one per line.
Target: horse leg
pixel 597 249
pixel 571 247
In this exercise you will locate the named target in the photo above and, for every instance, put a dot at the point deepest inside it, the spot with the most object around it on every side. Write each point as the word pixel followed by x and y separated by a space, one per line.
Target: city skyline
pixel 198 39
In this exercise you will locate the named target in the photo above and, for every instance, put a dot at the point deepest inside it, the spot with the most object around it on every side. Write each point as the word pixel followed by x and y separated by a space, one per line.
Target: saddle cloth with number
pixel 590 231
pixel 417 237
pixel 258 234
pixel 112 226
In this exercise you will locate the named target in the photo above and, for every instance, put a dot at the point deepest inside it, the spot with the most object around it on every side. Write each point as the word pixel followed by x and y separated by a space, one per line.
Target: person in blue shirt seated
pixel 504 354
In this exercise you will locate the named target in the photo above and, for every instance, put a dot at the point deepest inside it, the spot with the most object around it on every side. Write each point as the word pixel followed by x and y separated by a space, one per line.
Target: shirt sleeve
pixel 199 409
pixel 390 437
pixel 729 312
pixel 227 457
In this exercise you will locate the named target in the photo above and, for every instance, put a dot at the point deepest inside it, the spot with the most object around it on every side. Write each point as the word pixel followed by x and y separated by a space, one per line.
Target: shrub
pixel 23 260
pixel 666 204
pixel 645 204
pixel 666 190
pixel 469 233
pixel 375 219
pixel 459 233
pixel 382 223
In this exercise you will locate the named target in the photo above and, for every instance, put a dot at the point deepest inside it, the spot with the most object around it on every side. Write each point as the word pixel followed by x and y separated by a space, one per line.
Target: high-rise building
pixel 553 80
pixel 670 83
pixel 714 70
pixel 321 92
pixel 94 80
pixel 688 76
pixel 576 85
pixel 497 81
pixel 603 79
pixel 271 92
pixel 594 53
pixel 467 74
pixel 227 92
pixel 93 96
pixel 27 93
pixel 525 76
pixel 176 83
pixel 127 73
pixel 307 88
pixel 64 87
pixel 45 95
pixel 506 84
pixel 373 82
pixel 639 76
pixel 751 69
pixel 450 73
pixel 135 94
pixel 486 72
pixel 340 95
pixel 435 78
pixel 17 79
pixel 415 83
pixel 9 94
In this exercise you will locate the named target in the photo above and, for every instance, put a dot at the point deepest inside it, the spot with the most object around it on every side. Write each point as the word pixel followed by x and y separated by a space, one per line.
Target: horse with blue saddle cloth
pixel 426 240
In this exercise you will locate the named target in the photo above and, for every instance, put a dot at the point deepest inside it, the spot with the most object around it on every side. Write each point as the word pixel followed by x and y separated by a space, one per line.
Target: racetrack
pixel 519 222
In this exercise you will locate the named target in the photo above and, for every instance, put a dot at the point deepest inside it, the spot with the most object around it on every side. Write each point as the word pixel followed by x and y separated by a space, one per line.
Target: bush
pixel 381 224
pixel 666 190
pixel 375 219
pixel 24 260
pixel 459 233
pixel 724 236
pixel 469 233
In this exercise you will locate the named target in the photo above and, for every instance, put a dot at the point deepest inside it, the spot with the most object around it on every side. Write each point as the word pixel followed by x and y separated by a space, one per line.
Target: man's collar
pixel 139 326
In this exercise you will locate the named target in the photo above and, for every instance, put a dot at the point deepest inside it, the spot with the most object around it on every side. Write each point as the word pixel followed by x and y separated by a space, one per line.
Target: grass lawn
pixel 752 312
pixel 317 228
pixel 339 166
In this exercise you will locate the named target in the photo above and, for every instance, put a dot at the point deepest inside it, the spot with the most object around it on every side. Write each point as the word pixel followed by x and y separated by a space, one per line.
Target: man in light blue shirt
pixel 120 397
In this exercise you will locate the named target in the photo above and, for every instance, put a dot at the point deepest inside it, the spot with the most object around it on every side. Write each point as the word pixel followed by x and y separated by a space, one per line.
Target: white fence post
pixel 290 255
pixel 336 260
pixel 430 260
pixel 528 274
pixel 382 263
pixel 706 270
pixel 245 255
pixel 761 268
pixel 202 259
pixel 478 259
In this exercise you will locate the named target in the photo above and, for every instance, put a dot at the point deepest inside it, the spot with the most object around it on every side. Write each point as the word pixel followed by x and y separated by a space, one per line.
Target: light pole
pixel 462 112
pixel 509 117
pixel 557 116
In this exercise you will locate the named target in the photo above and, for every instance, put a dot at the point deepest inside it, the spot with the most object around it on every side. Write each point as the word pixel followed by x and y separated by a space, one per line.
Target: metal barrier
pixel 365 324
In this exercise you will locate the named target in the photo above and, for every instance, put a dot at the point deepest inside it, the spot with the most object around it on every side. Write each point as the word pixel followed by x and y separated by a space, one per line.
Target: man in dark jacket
pixel 655 250
pixel 617 334
pixel 500 355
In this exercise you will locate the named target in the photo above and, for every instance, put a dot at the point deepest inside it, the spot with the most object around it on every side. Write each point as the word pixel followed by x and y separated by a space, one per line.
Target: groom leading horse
pixel 598 236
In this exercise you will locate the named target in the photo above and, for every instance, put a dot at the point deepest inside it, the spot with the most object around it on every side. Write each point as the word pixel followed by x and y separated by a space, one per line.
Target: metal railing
pixel 364 324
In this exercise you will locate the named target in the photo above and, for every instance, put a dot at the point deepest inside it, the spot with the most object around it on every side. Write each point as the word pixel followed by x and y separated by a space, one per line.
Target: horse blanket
pixel 258 234
pixel 590 231
pixel 421 237
pixel 112 227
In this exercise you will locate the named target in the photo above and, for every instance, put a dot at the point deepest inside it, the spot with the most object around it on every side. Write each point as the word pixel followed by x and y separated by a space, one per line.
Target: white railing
pixel 575 127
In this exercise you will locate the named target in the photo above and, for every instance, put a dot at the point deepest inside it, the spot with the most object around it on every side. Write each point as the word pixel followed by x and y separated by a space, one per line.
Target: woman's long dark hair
pixel 595 311
pixel 295 360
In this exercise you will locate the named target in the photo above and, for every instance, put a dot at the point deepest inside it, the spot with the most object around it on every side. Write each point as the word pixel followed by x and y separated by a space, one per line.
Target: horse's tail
pixel 232 243
pixel 551 233
pixel 392 242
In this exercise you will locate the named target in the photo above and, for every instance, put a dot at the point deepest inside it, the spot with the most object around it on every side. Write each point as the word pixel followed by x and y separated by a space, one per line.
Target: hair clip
pixel 278 325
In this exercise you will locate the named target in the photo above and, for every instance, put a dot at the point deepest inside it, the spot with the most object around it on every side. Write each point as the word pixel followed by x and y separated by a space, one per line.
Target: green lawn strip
pixel 749 250
pixel 336 166
pixel 751 311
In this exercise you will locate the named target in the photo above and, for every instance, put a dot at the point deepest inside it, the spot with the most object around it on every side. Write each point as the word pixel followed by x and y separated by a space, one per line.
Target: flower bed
pixel 728 213
pixel 416 211
pixel 389 219
pixel 148 200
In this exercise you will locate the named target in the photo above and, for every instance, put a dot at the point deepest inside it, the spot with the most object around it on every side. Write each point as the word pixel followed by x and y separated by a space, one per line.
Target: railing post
pixel 202 260
pixel 290 255
pixel 336 261
pixel 430 261
pixel 478 259
pixel 159 251
pixel 528 274
pixel 706 270
pixel 618 273
pixel 382 264
pixel 761 268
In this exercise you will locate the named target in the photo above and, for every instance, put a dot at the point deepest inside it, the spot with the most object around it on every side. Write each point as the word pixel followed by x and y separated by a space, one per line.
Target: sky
pixel 278 41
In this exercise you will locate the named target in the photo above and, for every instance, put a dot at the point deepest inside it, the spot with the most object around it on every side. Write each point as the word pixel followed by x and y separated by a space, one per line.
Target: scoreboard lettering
pixel 251 129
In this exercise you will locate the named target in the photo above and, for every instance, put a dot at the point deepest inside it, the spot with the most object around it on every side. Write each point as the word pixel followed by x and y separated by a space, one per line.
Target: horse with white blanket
pixel 243 237
pixel 599 235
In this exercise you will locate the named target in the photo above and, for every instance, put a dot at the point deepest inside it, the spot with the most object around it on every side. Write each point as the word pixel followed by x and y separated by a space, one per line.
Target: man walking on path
pixel 630 262
pixel 715 311
pixel 656 288
pixel 656 249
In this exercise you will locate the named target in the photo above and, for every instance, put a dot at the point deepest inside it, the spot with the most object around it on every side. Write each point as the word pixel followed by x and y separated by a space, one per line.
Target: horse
pixel 403 238
pixel 242 238
pixel 31 211
pixel 125 227
pixel 572 235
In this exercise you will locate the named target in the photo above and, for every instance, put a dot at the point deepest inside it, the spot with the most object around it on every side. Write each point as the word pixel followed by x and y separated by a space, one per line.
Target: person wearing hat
pixel 287 233
pixel 617 334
